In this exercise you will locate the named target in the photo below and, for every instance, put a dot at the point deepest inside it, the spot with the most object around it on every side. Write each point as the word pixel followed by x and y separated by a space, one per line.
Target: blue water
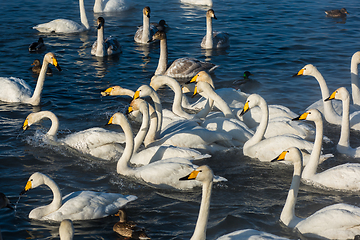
pixel 271 39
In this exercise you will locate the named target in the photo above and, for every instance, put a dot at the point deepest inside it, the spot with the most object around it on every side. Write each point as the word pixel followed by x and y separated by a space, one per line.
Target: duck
pixel 16 90
pixel 336 13
pixel 101 6
pixel 182 67
pixel 36 68
pixel 104 46
pixel 341 177
pixel 343 145
pixel 127 228
pixel 159 174
pixel 80 205
pixel 198 2
pixel 338 221
pixel 246 78
pixel 4 201
pixel 37 46
pixel 65 25
pixel 95 141
pixel 66 230
pixel 214 39
pixel 145 32
pixel 330 110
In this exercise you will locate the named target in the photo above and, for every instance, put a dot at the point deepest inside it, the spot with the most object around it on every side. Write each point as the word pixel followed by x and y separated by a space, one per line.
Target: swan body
pixel 104 47
pixel 97 142
pixel 66 230
pixel 198 2
pixel 331 111
pixel 343 145
pixel 181 67
pixel 81 205
pixel 336 13
pixel 338 221
pixel 37 46
pixel 250 234
pixel 65 25
pixel 36 68
pixel 111 6
pixel 147 30
pixel 214 39
pixel 16 90
pixel 267 149
pixel 160 174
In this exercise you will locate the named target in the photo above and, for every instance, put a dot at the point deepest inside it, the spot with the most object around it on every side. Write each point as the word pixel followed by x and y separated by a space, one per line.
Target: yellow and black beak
pixel 25 125
pixel 281 157
pixel 107 92
pixel 195 92
pixel 136 95
pixel 301 72
pixel 245 109
pixel 301 117
pixel 191 176
pixel 111 120
pixel 332 96
pixel 130 109
pixel 27 187
pixel 56 64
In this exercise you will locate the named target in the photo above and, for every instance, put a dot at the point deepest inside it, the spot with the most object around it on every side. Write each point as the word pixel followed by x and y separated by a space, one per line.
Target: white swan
pixel 331 111
pixel 214 39
pixel 341 177
pixel 355 91
pixel 65 25
pixel 66 230
pixel 160 174
pixel 338 221
pixel 96 142
pixel 147 30
pixel 104 47
pixel 18 91
pixel 181 67
pixel 343 145
pixel 198 2
pixel 111 5
pixel 81 205
pixel 267 149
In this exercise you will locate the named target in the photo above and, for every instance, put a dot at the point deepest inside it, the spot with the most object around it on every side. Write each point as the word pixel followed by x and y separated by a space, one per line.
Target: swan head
pixel 252 101
pixel 159 35
pixel 311 114
pixel 35 180
pixel 66 230
pixel 118 118
pixel 339 94
pixel 292 154
pixel 35 117
pixel 202 174
pixel 211 14
pixel 146 11
pixel 100 22
pixel 307 70
pixel 143 91
pixel 112 91
pixel 137 105
pixel 202 76
pixel 50 58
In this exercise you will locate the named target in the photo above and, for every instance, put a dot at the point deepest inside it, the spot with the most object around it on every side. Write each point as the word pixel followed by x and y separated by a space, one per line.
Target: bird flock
pixel 163 152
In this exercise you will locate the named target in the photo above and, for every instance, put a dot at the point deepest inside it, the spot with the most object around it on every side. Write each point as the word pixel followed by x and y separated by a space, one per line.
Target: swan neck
pixel 311 167
pixel 260 131
pixel 355 82
pixel 163 59
pixel 57 198
pixel 83 17
pixel 205 110
pixel 209 32
pixel 35 99
pixel 140 136
pixel 122 165
pixel 98 6
pixel 201 224
pixel 100 48
pixel 151 135
pixel 344 140
pixel 158 108
pixel 146 29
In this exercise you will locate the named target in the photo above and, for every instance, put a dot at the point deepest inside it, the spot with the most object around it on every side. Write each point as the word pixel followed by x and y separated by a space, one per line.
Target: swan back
pixel 66 230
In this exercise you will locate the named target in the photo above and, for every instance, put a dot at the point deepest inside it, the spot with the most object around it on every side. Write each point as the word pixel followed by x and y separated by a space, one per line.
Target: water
pixel 271 39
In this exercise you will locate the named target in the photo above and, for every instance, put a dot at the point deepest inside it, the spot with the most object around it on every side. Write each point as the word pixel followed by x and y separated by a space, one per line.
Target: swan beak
pixel 136 95
pixel 193 79
pixel 332 96
pixel 130 109
pixel 107 92
pixel 27 187
pixel 25 125
pixel 191 176
pixel 55 63
pixel 281 157
pixel 301 117
pixel 301 72
pixel 195 92
pixel 111 120
pixel 245 109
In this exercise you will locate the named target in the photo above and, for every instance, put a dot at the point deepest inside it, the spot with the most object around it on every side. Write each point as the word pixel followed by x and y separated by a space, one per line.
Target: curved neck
pixel 140 136
pixel 54 123
pixel 311 167
pixel 146 29
pixel 83 17
pixel 355 81
pixel 201 224
pixel 35 99
pixel 57 198
pixel 288 212
pixel 122 165
pixel 98 6
pixel 100 47
pixel 209 32
pixel 159 81
pixel 344 140
pixel 151 135
pixel 163 59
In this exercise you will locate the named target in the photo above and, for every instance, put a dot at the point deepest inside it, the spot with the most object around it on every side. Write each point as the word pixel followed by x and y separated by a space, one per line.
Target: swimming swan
pixel 81 205
pixel 181 67
pixel 338 221
pixel 104 47
pixel 18 91
pixel 341 177
pixel 147 30
pixel 198 2
pixel 214 39
pixel 160 174
pixel 343 145
pixel 66 230
pixel 97 142
pixel 111 6
pixel 65 25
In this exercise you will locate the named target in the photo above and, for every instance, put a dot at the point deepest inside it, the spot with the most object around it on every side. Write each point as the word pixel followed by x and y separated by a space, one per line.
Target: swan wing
pixel 112 46
pixel 188 67
pixel 14 90
pixel 221 39
pixel 85 205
